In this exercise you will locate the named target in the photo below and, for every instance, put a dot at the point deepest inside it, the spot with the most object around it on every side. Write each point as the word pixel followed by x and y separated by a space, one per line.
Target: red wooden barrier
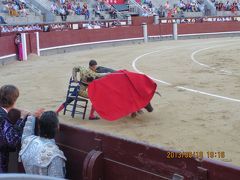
pixel 7 45
pixel 124 159
pixel 137 20
pixel 208 27
pixel 52 39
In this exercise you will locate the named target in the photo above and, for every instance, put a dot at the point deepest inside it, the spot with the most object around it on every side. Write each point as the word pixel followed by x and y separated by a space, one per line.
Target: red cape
pixel 120 93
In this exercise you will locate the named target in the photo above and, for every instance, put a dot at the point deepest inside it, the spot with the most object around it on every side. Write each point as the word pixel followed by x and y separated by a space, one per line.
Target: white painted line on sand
pixel 180 87
pixel 205 65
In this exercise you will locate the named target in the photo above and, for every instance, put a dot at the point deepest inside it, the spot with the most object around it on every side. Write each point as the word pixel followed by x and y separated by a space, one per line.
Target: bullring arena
pixel 199 81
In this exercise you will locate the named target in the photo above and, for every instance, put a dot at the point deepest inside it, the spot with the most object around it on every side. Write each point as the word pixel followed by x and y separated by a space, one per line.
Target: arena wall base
pixel 208 35
pixel 7 60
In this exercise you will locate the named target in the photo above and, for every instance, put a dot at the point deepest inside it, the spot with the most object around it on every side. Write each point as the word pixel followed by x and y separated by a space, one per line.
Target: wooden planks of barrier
pixel 92 155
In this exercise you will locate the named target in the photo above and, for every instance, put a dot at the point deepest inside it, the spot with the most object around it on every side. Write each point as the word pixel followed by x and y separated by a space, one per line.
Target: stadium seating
pixel 121 7
pixel 33 15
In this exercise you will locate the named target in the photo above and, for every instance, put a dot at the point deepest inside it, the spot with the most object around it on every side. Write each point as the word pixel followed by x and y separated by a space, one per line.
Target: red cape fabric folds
pixel 120 93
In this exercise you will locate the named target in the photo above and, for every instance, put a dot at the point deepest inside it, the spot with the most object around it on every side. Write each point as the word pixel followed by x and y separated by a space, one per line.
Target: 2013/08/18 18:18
pixel 196 154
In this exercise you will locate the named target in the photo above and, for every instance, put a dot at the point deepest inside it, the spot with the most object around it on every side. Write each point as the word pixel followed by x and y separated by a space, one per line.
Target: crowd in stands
pixel 57 27
pixel 4 29
pixel 63 8
pixel 15 7
pixel 73 7
pixel 177 10
pixel 227 6
pixel 167 10
pixel 70 7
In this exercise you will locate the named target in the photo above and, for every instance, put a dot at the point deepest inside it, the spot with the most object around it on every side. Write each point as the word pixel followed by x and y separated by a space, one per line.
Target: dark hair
pixel 48 123
pixel 92 62
pixel 8 95
pixel 14 115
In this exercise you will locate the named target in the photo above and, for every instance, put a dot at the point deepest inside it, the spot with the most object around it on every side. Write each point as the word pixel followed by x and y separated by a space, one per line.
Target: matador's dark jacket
pixel 10 138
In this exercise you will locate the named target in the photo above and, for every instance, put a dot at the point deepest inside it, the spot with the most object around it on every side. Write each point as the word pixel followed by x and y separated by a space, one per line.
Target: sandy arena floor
pixel 199 81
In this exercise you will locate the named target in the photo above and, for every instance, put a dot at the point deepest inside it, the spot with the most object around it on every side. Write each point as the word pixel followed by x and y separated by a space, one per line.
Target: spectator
pixel 238 5
pixel 19 28
pixel 161 11
pixel 4 29
pixel 182 5
pixel 40 154
pixel 97 10
pixel 54 8
pixel 102 5
pixel 69 8
pixel 86 11
pixel 10 134
pixel 113 13
pixel 78 10
pixel 11 10
pixel 74 7
pixel 62 2
pixel 169 14
pixel 167 6
pixel 233 7
pixel 23 11
pixel 63 13
pixel 98 6
pixel 150 5
pixel 227 6
pixel 18 43
pixel 221 7
pixel 85 6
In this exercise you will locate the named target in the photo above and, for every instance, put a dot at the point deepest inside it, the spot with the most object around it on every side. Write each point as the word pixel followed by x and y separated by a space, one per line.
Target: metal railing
pixel 33 8
pixel 120 15
pixel 138 8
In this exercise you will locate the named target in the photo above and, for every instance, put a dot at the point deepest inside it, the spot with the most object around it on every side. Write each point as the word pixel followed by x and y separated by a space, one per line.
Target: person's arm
pixel 96 75
pixel 57 168
pixel 29 127
pixel 102 74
